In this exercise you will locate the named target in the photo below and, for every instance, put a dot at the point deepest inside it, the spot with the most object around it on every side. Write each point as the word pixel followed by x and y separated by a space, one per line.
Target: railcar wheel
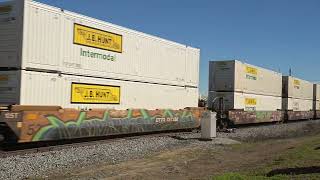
pixel 1 138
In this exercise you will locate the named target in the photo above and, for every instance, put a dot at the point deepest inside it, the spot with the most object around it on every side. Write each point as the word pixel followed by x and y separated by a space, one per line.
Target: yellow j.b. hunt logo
pixel 250 101
pixel 251 73
pixel 94 94
pixel 97 38
pixel 250 104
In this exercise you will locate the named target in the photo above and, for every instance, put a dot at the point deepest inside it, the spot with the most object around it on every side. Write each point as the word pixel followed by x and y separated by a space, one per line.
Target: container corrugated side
pixel 294 104
pixel 50 43
pixel 245 101
pixel 10 33
pixel 297 88
pixel 39 88
pixel 193 66
pixel 241 77
pixel 258 80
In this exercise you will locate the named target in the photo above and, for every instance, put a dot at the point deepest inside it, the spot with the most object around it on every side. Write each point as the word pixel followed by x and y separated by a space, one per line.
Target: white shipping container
pixel 236 76
pixel 297 88
pixel 38 88
pixel 244 101
pixel 316 97
pixel 316 92
pixel 294 104
pixel 40 37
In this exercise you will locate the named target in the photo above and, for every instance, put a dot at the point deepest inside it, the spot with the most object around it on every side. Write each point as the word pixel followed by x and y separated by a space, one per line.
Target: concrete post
pixel 209 126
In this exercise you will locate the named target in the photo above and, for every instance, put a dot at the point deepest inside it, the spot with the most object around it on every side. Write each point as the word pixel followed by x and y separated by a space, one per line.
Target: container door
pixel 11 19
pixel 9 87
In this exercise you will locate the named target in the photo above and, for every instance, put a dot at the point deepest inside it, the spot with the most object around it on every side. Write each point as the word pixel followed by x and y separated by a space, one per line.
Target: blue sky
pixel 275 34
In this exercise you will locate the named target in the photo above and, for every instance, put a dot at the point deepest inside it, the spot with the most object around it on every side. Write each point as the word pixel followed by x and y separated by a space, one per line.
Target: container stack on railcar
pixel 53 57
pixel 316 100
pixel 82 62
pixel 245 93
pixel 297 99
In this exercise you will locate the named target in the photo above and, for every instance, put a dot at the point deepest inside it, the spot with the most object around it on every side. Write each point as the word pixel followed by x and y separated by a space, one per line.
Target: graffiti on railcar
pixel 299 115
pixel 246 117
pixel 88 124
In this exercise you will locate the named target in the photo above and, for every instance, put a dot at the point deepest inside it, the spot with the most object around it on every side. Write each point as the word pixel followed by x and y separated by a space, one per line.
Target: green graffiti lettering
pixel 107 125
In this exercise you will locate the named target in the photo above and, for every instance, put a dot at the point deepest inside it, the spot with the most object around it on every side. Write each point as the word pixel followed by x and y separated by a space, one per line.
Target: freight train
pixel 241 93
pixel 110 80
pixel 65 76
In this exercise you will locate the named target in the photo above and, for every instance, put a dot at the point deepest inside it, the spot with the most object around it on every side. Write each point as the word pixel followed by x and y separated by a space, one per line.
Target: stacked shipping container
pixel 297 98
pixel 246 88
pixel 316 96
pixel 316 100
pixel 251 94
pixel 85 63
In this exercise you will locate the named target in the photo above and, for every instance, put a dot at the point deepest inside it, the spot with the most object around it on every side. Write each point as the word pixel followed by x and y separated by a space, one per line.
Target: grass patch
pixel 301 161
pixel 238 176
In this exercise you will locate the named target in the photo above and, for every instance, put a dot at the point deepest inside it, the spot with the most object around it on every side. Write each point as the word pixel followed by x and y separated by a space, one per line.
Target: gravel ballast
pixel 63 161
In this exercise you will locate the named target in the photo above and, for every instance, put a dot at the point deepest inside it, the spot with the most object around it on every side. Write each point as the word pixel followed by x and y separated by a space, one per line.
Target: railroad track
pixel 39 147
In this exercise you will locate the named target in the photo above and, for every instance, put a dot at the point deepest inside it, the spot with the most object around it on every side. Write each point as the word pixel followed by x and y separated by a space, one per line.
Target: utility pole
pixel 290 72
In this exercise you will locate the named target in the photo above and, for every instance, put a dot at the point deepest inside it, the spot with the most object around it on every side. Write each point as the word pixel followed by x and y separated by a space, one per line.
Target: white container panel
pixel 42 41
pixel 49 42
pixel 245 101
pixel 192 70
pixel 297 88
pixel 56 90
pixel 143 58
pixel 10 33
pixel 241 77
pixel 257 80
pixel 294 104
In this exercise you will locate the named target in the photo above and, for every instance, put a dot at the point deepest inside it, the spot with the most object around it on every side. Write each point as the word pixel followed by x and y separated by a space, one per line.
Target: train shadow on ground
pixel 295 171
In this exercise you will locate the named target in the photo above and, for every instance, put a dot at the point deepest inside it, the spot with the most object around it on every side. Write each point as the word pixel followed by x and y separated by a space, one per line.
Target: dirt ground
pixel 200 163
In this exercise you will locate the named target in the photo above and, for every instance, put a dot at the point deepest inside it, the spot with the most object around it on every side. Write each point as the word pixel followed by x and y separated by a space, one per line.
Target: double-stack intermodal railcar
pixel 242 94
pixel 116 80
